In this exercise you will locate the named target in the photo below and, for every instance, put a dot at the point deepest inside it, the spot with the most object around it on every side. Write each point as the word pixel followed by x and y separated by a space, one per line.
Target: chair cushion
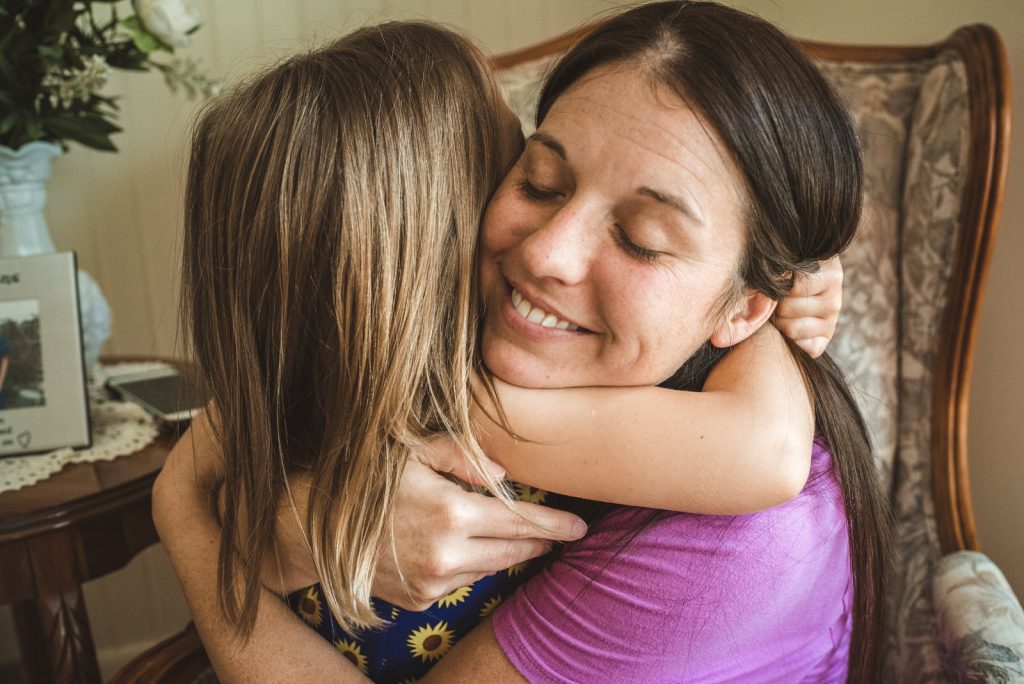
pixel 980 620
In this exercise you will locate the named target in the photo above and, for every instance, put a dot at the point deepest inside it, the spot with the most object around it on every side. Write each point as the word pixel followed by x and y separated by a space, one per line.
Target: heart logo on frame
pixel 24 438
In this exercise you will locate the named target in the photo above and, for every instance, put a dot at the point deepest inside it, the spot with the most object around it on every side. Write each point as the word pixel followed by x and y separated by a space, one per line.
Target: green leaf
pixel 8 123
pixel 127 57
pixel 144 41
pixel 91 131
pixel 101 123
pixel 61 15
pixel 33 129
pixel 51 52
pixel 132 23
pixel 6 69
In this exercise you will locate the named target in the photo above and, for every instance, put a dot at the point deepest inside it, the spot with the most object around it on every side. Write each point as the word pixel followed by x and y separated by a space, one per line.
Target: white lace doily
pixel 118 428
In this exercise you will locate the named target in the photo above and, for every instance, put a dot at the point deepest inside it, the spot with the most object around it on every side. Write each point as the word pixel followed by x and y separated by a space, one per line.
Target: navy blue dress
pixel 408 646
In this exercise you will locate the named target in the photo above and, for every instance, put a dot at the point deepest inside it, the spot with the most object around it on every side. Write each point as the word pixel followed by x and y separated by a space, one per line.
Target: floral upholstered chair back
pixel 933 123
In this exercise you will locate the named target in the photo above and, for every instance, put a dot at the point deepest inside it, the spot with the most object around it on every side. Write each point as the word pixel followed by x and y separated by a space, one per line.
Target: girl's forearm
pixel 741 445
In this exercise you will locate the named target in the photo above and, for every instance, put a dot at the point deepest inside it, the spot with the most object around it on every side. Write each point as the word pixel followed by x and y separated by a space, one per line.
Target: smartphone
pixel 163 392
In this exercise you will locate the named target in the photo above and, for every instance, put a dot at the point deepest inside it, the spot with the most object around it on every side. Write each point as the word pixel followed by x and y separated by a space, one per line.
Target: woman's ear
pixel 744 319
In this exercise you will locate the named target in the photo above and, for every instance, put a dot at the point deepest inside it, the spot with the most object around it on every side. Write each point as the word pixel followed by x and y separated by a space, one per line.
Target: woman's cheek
pixel 498 233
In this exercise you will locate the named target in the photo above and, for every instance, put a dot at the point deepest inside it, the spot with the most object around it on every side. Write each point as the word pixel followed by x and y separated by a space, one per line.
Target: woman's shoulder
pixel 765 591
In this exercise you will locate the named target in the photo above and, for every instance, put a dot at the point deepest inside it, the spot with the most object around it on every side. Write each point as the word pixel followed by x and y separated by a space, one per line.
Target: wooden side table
pixel 83 522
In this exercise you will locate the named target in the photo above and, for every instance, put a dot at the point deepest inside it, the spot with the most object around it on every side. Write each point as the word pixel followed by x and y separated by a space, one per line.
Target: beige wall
pixel 122 213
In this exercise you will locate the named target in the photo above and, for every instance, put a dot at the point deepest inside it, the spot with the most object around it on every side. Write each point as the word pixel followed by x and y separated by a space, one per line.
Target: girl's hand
pixel 808 316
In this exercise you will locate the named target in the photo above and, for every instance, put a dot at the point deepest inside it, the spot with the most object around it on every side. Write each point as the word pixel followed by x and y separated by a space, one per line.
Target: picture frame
pixel 43 390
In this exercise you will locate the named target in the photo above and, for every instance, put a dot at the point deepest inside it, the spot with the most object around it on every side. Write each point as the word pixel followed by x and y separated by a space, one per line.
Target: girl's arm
pixel 741 445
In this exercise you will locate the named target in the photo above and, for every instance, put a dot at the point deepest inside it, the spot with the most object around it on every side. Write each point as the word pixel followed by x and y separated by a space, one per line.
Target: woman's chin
pixel 518 368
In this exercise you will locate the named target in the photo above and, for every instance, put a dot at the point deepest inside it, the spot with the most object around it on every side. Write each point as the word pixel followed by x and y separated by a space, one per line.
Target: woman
pixel 539 239
pixel 639 91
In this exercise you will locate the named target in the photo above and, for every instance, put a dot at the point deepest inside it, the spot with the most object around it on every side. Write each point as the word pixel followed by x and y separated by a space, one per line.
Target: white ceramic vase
pixel 23 231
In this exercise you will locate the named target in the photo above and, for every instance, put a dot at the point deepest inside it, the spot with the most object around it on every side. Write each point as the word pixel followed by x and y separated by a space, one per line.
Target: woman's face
pixel 607 250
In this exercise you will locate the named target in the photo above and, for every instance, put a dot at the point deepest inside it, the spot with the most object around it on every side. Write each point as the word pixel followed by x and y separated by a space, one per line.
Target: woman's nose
pixel 562 248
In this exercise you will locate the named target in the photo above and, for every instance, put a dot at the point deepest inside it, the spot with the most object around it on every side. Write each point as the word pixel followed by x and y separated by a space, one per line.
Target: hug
pixel 609 327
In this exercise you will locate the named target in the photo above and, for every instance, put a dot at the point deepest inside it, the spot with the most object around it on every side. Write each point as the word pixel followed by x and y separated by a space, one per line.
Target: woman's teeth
pixel 537 315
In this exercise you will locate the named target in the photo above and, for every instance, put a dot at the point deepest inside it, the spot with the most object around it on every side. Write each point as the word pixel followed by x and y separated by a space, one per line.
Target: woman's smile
pixel 534 314
pixel 532 318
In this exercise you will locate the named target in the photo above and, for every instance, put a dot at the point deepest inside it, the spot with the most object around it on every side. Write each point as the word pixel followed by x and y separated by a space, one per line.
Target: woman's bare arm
pixel 282 648
pixel 473 533
pixel 477 657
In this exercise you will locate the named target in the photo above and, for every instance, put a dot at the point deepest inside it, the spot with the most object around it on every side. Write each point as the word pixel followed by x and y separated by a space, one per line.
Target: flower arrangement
pixel 56 56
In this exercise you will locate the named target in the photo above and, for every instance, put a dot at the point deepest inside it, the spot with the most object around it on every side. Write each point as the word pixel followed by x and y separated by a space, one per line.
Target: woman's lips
pixel 535 314
pixel 533 321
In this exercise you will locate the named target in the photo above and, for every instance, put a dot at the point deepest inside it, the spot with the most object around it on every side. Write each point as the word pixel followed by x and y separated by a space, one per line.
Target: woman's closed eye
pixel 638 252
pixel 536 194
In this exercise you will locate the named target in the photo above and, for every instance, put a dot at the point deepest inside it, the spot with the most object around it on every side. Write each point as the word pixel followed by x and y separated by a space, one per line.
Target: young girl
pixel 331 218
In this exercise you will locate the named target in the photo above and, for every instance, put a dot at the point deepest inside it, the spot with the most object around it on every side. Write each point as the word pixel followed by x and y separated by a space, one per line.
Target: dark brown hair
pixel 331 216
pixel 795 145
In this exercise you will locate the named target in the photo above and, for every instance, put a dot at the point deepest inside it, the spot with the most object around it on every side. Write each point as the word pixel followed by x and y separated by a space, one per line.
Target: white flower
pixel 93 77
pixel 188 74
pixel 64 87
pixel 168 20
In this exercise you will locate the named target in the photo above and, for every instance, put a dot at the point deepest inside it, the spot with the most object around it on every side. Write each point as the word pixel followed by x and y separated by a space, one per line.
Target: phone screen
pixel 168 394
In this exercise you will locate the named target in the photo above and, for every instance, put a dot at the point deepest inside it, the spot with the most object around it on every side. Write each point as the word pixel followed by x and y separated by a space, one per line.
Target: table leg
pixel 53 629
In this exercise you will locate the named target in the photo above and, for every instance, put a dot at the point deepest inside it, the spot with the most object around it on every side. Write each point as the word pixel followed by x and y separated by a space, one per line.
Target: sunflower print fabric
pixel 411 642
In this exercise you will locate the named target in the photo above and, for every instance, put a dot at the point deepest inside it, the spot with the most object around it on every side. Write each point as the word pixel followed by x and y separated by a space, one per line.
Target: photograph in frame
pixel 43 399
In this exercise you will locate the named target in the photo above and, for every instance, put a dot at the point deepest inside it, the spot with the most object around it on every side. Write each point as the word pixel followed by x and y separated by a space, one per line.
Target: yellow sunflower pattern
pixel 455 598
pixel 516 569
pixel 430 642
pixel 489 607
pixel 352 651
pixel 530 494
pixel 310 609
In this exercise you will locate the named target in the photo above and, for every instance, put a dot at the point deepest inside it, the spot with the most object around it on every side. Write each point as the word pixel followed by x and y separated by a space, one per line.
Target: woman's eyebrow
pixel 549 142
pixel 678 203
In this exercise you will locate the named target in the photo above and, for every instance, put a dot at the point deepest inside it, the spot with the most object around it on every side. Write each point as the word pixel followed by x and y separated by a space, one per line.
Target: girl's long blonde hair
pixel 331 214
